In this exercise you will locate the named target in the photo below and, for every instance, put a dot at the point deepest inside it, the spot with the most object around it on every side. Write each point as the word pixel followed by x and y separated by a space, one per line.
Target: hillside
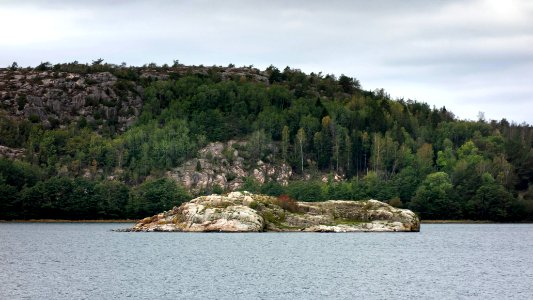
pixel 108 141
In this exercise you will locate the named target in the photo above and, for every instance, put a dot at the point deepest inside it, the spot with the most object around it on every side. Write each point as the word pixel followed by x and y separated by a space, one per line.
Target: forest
pixel 400 151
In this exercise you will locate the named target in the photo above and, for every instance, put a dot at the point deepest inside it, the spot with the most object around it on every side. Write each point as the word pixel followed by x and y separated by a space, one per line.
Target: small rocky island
pixel 246 212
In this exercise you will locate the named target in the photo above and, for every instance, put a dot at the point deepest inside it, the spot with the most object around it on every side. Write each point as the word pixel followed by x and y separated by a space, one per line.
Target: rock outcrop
pixel 245 212
pixel 222 164
pixel 59 98
pixel 11 153
pixel 96 95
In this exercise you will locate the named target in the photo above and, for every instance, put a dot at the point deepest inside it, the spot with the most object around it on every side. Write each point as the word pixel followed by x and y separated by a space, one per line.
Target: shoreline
pixel 68 221
pixel 457 222
pixel 469 222
pixel 135 221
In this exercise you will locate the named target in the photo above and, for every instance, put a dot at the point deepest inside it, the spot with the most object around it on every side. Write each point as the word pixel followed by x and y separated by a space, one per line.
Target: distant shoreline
pixel 469 222
pixel 135 221
pixel 68 221
pixel 456 222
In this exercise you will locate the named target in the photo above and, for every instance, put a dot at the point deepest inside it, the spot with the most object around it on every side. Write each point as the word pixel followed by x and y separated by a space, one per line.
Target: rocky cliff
pixel 245 212
pixel 223 165
pixel 58 98
pixel 101 95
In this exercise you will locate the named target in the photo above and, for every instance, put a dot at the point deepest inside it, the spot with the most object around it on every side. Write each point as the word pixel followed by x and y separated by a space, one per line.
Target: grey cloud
pixel 441 52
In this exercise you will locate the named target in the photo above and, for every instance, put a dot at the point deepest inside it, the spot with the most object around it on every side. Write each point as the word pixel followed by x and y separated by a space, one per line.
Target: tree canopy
pixel 395 150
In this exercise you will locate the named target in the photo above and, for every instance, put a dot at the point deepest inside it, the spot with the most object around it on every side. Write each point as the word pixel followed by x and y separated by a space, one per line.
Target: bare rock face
pixel 11 153
pixel 245 212
pixel 59 98
pixel 208 213
pixel 220 164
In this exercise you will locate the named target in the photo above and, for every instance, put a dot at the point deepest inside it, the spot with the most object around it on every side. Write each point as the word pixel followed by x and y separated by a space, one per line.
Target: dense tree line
pixel 26 193
pixel 400 151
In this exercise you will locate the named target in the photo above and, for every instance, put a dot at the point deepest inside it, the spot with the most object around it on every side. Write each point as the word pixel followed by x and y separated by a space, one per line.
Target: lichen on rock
pixel 246 212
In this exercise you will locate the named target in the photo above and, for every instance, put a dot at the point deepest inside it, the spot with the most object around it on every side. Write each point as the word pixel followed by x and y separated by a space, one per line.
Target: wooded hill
pixel 97 141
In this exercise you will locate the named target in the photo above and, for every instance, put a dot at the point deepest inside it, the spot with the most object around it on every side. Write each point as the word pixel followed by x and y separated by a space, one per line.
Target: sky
pixel 470 56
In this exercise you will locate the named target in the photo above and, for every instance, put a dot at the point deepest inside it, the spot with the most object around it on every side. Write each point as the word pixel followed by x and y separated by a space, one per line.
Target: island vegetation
pixel 109 155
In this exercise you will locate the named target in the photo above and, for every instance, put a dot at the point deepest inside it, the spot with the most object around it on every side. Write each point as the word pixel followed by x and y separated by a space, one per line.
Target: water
pixel 88 261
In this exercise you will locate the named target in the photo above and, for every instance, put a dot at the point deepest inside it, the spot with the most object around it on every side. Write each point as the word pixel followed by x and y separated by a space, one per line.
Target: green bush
pixel 305 191
pixel 217 189
pixel 272 188
pixel 34 118
pixel 156 195
pixel 250 185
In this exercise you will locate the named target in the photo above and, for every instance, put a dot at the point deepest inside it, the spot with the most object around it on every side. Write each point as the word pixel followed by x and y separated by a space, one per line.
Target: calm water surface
pixel 88 261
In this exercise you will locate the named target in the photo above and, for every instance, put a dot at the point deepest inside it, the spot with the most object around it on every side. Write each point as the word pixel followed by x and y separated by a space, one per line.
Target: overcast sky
pixel 469 56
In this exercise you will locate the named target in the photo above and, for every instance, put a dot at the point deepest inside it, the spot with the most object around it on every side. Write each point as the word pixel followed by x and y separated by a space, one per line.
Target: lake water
pixel 89 261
